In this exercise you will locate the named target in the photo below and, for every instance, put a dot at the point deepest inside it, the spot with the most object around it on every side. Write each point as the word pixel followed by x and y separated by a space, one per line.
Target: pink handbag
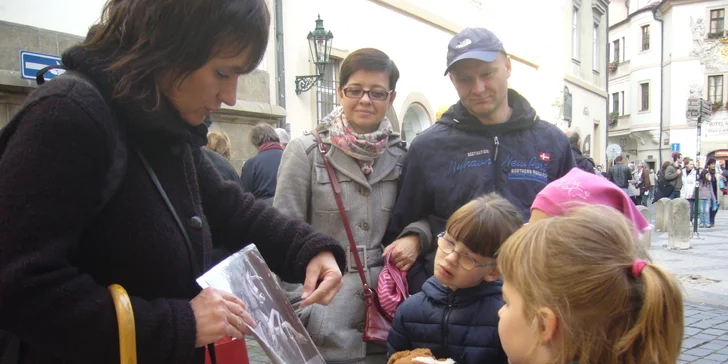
pixel 391 287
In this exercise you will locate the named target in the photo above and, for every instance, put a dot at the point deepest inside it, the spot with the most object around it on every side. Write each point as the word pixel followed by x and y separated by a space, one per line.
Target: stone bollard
pixel 666 215
pixel 661 207
pixel 646 239
pixel 679 228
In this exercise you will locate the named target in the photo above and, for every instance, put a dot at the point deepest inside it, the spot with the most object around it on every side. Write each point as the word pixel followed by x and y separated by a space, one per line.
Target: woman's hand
pixel 322 268
pixel 219 314
pixel 404 251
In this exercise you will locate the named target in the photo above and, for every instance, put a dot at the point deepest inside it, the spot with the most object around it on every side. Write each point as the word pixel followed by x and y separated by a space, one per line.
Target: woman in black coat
pixel 161 66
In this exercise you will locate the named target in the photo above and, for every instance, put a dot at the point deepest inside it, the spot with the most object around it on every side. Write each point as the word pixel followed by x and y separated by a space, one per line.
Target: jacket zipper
pixel 496 168
pixel 445 321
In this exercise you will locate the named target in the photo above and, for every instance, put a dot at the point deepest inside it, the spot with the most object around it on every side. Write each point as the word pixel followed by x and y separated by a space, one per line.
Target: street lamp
pixel 319 42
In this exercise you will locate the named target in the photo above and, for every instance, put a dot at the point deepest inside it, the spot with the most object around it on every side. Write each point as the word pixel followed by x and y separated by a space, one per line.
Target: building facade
pixel 561 70
pixel 659 69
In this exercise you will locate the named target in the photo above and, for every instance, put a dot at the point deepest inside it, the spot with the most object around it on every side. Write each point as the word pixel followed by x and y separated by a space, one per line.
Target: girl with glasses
pixel 456 313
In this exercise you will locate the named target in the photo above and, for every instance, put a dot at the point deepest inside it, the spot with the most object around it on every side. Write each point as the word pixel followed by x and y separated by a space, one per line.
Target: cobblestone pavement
pixel 706 334
pixel 255 353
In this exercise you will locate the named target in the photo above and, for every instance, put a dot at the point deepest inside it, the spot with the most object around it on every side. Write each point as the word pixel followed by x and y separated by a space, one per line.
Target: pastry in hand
pixel 417 356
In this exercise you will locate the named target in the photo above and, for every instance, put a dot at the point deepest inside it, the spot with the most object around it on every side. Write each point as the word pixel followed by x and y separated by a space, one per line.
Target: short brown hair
pixel 149 38
pixel 368 59
pixel 581 267
pixel 484 223
pixel 220 143
pixel 263 133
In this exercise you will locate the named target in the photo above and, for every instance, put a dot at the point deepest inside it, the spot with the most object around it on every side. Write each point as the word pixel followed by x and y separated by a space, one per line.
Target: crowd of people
pixel 514 246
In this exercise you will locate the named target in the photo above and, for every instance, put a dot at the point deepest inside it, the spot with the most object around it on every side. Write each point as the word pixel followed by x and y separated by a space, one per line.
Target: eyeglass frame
pixel 367 92
pixel 475 265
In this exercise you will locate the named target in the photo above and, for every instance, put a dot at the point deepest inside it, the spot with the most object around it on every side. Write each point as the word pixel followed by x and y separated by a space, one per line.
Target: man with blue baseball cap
pixel 492 140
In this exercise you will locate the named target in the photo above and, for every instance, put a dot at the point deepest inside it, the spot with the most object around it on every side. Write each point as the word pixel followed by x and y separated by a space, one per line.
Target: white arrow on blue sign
pixel 31 63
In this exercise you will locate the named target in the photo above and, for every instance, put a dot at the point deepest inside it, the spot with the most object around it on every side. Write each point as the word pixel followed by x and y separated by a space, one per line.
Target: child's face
pixel 518 337
pixel 458 267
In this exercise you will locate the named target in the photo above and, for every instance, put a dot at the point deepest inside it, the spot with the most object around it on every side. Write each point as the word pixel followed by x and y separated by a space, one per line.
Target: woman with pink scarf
pixel 366 156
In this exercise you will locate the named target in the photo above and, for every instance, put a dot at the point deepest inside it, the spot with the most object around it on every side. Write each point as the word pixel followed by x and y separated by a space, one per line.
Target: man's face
pixel 482 86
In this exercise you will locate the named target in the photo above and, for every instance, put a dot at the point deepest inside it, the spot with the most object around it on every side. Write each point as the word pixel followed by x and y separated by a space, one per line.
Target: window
pixel 595 47
pixel 717 21
pixel 326 96
pixel 615 102
pixel 645 37
pixel 575 33
pixel 622 103
pixel 616 50
pixel 644 96
pixel 715 89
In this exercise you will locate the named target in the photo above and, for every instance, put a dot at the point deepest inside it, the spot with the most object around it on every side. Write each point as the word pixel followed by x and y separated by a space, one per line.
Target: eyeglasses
pixel 447 247
pixel 378 94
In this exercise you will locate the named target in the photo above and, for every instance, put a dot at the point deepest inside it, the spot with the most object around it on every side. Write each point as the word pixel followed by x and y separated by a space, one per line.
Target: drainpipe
pixel 662 78
pixel 280 64
pixel 606 79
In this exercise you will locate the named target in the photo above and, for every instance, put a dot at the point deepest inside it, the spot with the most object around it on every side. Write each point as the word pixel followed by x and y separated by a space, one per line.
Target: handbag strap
pixel 188 242
pixel 344 218
pixel 160 189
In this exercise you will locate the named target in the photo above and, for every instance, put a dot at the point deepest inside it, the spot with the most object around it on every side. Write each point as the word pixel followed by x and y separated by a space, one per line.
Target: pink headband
pixel 637 267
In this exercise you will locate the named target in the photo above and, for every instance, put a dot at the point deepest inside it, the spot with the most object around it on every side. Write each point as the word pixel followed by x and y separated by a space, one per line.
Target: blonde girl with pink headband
pixel 576 292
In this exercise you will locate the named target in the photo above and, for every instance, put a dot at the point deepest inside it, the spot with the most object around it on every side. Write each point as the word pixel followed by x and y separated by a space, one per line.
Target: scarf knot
pixel 364 148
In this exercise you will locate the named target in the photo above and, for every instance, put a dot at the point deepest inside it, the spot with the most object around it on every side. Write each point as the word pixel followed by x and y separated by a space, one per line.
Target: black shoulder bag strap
pixel 188 242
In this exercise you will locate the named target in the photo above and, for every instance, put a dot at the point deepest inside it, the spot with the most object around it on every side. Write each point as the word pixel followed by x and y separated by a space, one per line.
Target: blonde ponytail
pixel 656 336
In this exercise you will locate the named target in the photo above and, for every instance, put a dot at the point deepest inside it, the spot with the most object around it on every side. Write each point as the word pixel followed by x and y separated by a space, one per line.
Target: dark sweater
pixel 57 257
pixel 222 165
pixel 260 174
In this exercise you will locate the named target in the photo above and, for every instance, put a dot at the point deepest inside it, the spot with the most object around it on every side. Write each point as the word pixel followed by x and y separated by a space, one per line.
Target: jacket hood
pixel 523 117
pixel 163 125
pixel 439 293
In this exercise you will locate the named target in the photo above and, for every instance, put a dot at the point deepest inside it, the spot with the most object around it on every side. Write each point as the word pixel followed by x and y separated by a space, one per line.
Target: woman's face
pixel 365 113
pixel 205 89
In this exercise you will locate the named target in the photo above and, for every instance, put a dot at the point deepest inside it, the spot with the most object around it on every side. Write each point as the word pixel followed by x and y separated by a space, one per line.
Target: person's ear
pixel 547 325
pixel 493 275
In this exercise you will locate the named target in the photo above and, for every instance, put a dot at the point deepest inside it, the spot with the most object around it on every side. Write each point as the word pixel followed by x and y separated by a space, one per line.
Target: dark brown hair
pixel 263 133
pixel 149 38
pixel 369 59
pixel 484 223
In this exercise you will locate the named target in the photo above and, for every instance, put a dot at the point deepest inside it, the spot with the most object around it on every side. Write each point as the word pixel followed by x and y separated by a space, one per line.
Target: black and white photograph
pixel 279 331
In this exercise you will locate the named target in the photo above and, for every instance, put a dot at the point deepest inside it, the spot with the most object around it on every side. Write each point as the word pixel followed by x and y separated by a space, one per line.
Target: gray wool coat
pixel 304 192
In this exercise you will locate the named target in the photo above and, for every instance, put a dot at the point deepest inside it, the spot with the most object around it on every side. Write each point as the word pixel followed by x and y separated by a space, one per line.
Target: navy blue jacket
pixel 260 174
pixel 459 159
pixel 222 165
pixel 462 325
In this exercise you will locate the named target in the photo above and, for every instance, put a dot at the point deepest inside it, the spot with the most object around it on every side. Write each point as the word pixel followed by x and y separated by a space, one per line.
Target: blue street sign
pixel 31 63
pixel 675 147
